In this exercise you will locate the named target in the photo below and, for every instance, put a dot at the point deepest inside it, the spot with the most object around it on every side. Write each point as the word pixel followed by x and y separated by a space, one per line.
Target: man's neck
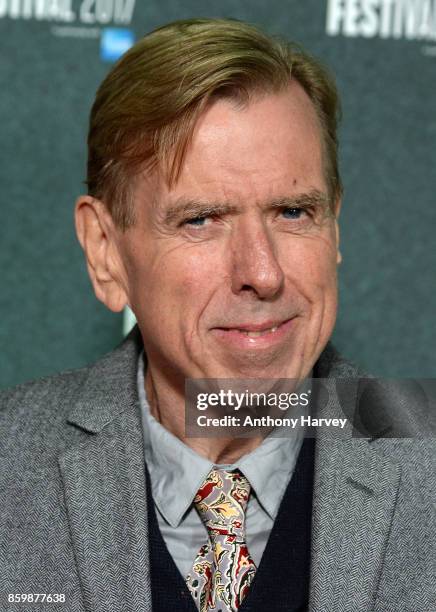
pixel 168 407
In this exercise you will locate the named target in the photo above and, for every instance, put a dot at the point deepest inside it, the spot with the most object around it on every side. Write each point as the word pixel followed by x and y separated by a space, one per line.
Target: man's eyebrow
pixel 188 209
pixel 315 199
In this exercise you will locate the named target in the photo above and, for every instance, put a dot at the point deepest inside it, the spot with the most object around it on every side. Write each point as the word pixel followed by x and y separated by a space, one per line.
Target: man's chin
pixel 256 366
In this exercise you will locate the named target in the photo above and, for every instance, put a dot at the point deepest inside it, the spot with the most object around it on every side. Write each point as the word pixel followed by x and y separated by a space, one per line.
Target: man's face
pixel 232 271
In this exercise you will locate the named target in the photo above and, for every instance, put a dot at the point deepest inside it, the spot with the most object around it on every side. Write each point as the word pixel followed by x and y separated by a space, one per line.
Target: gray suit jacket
pixel 73 514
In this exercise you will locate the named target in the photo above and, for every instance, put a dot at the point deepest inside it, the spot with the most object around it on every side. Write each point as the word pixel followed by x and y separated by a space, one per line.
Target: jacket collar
pixel 110 388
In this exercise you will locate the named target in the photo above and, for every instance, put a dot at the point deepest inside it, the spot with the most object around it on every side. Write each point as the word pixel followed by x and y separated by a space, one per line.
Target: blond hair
pixel 146 108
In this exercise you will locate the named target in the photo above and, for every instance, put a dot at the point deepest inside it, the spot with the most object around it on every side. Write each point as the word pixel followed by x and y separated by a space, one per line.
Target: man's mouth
pixel 255 332
pixel 256 336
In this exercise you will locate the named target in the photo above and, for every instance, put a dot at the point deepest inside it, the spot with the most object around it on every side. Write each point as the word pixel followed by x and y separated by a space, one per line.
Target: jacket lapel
pixel 104 487
pixel 355 491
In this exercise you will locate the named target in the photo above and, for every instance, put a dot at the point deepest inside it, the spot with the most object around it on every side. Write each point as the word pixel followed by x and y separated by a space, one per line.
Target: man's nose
pixel 255 266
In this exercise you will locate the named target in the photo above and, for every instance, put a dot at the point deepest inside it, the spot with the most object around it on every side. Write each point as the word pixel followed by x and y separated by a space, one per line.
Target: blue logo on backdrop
pixel 115 42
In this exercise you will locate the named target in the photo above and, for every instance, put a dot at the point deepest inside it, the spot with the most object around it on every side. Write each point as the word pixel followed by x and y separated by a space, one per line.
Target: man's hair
pixel 146 108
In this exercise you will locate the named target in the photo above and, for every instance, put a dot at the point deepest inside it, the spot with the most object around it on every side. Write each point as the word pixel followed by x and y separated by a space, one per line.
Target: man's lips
pixel 254 333
pixel 254 327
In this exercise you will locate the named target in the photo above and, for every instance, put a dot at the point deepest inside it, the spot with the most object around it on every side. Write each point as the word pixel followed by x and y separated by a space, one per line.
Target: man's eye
pixel 196 221
pixel 293 213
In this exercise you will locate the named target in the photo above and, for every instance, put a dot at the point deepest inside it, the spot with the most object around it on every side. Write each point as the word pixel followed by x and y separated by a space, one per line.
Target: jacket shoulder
pixel 332 364
pixel 41 396
pixel 37 412
pixel 33 417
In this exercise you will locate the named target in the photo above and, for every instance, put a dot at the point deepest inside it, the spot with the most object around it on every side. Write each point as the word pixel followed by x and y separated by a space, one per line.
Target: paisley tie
pixel 223 570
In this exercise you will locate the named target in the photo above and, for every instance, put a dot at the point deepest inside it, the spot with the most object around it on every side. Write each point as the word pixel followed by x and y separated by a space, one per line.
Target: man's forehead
pixel 228 164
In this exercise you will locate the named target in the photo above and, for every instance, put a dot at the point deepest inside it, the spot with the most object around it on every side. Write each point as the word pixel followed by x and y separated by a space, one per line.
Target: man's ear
pixel 338 205
pixel 97 235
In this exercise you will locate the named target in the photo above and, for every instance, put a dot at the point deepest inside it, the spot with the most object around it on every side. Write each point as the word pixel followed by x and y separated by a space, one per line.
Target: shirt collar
pixel 269 469
pixel 177 471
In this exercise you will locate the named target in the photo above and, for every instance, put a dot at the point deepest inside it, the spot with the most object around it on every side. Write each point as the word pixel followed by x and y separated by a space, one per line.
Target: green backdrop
pixel 53 56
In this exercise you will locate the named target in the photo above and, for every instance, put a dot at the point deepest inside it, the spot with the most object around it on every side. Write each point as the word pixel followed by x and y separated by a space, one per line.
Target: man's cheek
pixel 192 276
pixel 189 285
pixel 323 263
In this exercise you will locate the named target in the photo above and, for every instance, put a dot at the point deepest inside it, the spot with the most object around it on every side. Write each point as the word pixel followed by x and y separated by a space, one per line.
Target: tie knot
pixel 221 501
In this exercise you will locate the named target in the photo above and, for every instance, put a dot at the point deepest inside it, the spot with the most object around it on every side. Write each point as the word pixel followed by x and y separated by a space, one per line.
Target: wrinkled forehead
pixel 267 149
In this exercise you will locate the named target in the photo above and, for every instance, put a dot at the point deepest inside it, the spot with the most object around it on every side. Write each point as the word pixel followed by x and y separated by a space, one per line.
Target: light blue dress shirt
pixel 177 472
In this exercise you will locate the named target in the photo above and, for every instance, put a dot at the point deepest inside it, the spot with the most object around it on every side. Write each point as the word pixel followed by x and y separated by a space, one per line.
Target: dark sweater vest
pixel 281 583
